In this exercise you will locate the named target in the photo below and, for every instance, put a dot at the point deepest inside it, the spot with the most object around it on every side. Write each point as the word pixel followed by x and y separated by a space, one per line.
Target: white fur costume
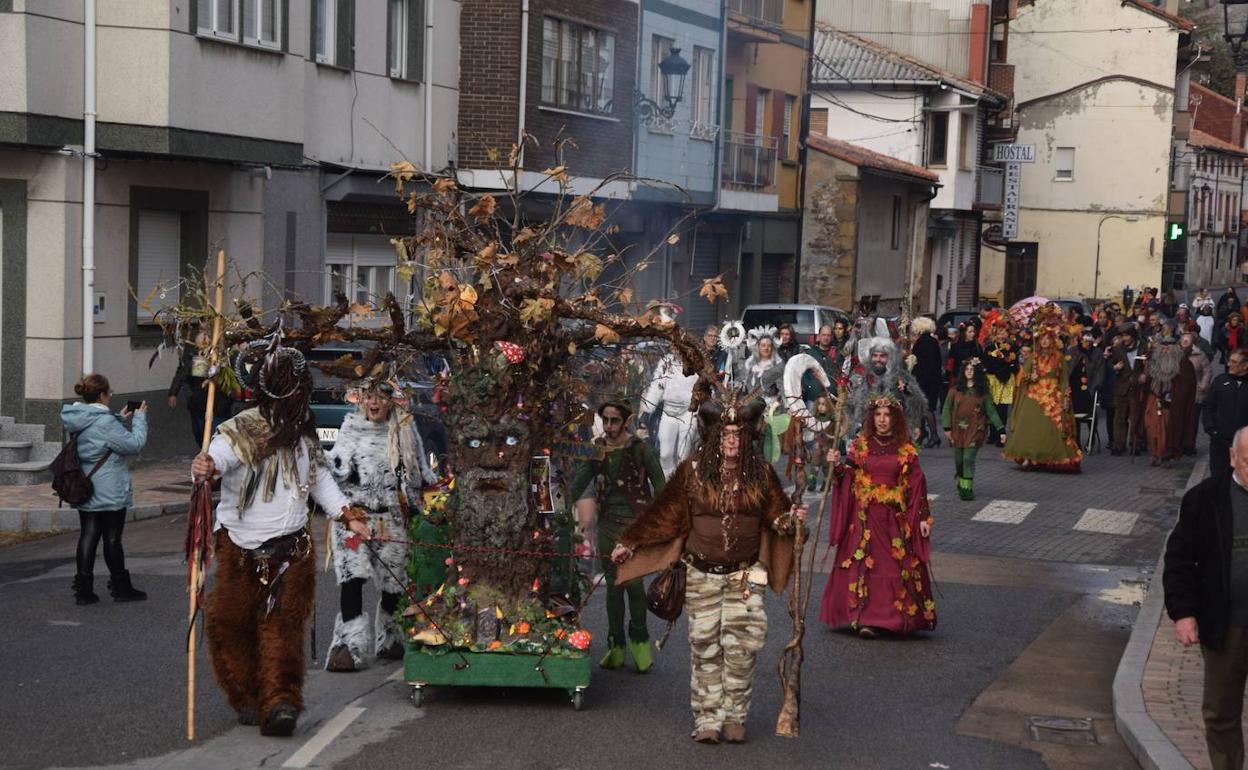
pixel 365 462
pixel 677 427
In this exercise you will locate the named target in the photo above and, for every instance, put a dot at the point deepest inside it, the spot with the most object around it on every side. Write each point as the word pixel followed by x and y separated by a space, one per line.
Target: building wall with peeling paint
pixel 1106 98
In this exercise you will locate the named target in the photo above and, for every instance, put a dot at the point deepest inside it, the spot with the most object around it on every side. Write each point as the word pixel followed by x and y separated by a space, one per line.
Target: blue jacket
pixel 100 430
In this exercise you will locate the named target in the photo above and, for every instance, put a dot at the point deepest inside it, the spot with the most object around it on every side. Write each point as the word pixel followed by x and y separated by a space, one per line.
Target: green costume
pixel 966 417
pixel 626 480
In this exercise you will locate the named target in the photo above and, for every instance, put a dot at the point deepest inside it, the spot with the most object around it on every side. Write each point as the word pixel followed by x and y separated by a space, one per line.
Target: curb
pixel 65 519
pixel 1146 741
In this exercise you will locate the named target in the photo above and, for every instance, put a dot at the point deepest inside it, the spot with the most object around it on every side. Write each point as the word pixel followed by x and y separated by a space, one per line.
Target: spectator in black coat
pixel 1206 589
pixel 928 372
pixel 1226 411
pixel 1228 303
pixel 1229 336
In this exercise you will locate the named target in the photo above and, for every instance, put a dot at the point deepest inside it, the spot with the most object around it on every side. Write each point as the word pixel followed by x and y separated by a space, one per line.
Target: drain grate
pixel 1064 730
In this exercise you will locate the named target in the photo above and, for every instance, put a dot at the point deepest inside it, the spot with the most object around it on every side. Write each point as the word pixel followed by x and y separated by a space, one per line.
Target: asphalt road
pixel 1021 634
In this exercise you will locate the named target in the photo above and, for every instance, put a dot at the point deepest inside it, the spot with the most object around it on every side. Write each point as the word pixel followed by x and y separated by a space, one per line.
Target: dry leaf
pixel 713 289
pixel 585 214
pixel 403 171
pixel 513 157
pixel 571 348
pixel 443 184
pixel 536 310
pixel 523 237
pixel 558 173
pixel 486 255
pixel 673 239
pixel 493 154
pixel 624 296
pixel 361 311
pixel 446 280
pixel 605 334
pixel 510 259
pixel 484 209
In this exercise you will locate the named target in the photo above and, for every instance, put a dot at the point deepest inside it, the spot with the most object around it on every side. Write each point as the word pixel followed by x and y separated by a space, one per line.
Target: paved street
pixel 1037 590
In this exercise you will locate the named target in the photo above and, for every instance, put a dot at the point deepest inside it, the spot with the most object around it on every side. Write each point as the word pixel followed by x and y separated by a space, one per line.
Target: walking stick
pixel 199 520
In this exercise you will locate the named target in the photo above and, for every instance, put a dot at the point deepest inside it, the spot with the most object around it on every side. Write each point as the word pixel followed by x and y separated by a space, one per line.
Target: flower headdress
pixel 756 336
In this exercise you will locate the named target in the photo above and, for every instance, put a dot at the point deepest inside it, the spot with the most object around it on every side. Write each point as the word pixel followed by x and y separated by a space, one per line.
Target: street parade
pixel 693 384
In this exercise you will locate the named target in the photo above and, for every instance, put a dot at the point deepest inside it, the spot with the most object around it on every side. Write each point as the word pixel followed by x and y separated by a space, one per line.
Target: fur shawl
pixel 363 465
pixel 658 535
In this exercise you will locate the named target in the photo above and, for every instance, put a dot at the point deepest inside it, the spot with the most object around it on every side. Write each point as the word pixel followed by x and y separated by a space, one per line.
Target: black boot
pixel 281 721
pixel 82 589
pixel 122 591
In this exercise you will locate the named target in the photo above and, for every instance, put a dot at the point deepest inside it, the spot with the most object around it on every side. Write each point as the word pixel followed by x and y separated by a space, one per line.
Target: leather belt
pixel 712 568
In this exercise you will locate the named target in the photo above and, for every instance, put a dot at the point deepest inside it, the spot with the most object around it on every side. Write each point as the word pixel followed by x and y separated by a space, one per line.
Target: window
pixel 1065 164
pixel 360 266
pixel 819 121
pixel 660 47
pixel 159 262
pixel 966 143
pixel 324 28
pixel 895 240
pixel 761 97
pixel 726 104
pixel 578 67
pixel 218 18
pixel 703 96
pixel 786 133
pixel 405 39
pixel 262 23
pixel 938 139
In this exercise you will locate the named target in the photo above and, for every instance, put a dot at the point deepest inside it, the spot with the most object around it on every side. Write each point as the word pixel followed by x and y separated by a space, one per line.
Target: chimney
pixel 977 66
pixel 1237 123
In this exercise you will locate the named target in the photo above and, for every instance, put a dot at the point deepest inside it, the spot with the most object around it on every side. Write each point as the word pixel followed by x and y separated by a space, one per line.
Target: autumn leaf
pixel 484 209
pixel 467 297
pixel 486 255
pixel 510 259
pixel 624 296
pixel 673 239
pixel 361 311
pixel 513 157
pixel 571 348
pixel 400 249
pixel 713 289
pixel 493 154
pixel 605 334
pixel 403 171
pixel 588 266
pixel 535 310
pixel 585 214
pixel 446 280
pixel 405 271
pixel 523 237
pixel 558 173
pixel 443 184
pixel 485 282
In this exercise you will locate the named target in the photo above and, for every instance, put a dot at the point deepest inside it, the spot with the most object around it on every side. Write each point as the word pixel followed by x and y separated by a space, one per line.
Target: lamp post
pixel 1236 38
pixel 1096 278
pixel 672 69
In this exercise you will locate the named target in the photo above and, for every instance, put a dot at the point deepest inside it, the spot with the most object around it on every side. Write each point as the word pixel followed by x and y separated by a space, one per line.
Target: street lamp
pixel 1096 278
pixel 672 69
pixel 1236 38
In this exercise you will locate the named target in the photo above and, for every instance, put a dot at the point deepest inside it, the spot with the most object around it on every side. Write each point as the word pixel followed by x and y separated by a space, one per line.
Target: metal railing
pixel 767 11
pixel 749 161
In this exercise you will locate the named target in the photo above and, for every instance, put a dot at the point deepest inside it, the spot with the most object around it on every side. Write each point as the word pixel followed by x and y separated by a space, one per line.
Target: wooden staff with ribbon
pixel 788 723
pixel 199 514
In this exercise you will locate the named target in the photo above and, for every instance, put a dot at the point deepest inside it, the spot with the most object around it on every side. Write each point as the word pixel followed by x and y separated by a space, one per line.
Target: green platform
pixel 494 669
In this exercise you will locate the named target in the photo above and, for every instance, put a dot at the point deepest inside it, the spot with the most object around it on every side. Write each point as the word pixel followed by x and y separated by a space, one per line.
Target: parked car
pixel 952 319
pixel 805 319
pixel 1067 304
pixel 330 408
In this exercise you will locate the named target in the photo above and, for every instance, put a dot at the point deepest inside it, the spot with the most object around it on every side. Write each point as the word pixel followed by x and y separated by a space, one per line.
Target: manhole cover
pixel 1064 730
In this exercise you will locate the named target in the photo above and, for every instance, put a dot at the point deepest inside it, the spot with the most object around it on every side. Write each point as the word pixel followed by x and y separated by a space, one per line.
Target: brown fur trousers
pixel 258 658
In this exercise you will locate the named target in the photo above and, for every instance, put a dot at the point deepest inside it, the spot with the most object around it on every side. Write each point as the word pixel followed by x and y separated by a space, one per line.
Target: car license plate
pixel 327 434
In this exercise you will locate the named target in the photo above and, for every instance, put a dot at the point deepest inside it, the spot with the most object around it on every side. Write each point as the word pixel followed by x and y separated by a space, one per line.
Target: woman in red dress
pixel 881 529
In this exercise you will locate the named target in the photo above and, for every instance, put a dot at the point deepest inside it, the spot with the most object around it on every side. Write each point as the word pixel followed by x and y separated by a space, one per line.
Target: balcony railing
pixel 769 12
pixel 749 162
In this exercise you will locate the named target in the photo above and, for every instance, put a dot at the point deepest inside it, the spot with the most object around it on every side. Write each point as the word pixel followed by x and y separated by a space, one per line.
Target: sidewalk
pixel 1159 685
pixel 159 488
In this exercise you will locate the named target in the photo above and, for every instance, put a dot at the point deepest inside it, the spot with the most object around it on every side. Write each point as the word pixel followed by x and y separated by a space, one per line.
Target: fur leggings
pixel 258 657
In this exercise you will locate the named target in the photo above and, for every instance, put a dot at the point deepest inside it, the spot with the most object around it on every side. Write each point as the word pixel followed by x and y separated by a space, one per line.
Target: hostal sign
pixel 1013 156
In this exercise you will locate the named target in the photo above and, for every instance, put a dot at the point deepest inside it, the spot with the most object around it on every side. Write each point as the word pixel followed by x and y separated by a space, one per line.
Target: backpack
pixel 69 483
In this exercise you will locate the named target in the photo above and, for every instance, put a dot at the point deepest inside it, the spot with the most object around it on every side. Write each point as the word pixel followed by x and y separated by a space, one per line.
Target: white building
pixel 867 94
pixel 257 126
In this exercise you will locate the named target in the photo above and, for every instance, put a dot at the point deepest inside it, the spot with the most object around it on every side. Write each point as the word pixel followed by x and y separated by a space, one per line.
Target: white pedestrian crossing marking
pixel 1107 522
pixel 1005 512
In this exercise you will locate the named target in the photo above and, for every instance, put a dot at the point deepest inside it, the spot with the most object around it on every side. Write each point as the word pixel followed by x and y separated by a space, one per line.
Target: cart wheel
pixel 578 699
pixel 417 696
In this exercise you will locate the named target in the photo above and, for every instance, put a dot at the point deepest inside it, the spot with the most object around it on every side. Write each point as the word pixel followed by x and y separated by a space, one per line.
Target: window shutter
pixel 777 119
pixel 819 121
pixel 285 25
pixel 201 15
pixel 751 107
pixel 389 36
pixel 344 46
pixel 416 40
pixel 160 260
pixel 249 19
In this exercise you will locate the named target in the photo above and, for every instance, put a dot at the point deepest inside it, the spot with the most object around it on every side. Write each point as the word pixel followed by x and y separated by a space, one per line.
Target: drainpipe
pixel 524 81
pixel 88 190
pixel 719 135
pixel 801 153
pixel 428 87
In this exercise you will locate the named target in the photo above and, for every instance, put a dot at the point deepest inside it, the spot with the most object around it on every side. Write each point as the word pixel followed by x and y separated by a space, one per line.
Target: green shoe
pixel 642 659
pixel 613 659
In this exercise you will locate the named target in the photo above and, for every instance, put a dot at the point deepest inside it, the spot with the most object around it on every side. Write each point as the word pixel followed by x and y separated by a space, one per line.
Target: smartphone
pixel 133 406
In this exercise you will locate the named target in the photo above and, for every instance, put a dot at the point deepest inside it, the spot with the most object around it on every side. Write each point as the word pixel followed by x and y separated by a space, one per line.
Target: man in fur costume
pixel 882 372
pixel 269 461
pixel 379 462
pixel 625 480
pixel 726 515
pixel 1170 387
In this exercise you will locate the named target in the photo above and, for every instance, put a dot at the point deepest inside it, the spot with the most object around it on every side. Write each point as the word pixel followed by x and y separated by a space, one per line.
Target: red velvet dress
pixel 880 577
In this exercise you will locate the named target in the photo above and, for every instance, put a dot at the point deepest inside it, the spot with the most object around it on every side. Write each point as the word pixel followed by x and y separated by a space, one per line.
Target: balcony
pixel 756 21
pixel 749 162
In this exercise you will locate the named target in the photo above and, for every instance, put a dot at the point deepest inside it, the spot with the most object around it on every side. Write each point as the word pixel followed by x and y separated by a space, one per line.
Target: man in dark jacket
pixel 1206 589
pixel 1226 410
pixel 1126 369
pixel 829 358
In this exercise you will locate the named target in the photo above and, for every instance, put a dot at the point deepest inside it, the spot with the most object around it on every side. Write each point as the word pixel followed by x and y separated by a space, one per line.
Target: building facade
pixel 260 127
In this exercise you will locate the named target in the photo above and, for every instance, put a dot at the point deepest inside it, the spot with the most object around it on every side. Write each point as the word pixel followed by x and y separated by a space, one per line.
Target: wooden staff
pixel 196 577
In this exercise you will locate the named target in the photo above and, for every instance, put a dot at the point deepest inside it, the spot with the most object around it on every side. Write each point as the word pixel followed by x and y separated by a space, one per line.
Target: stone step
pixel 44 450
pixel 15 451
pixel 22 432
pixel 26 474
